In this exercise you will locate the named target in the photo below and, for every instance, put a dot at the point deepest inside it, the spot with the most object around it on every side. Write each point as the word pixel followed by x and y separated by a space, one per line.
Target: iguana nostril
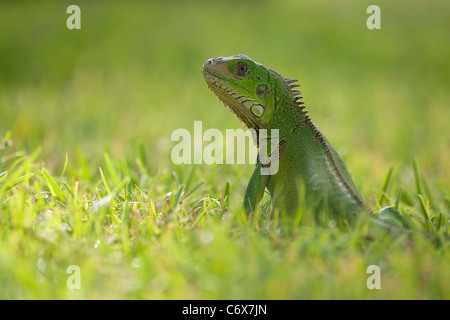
pixel 215 64
pixel 209 63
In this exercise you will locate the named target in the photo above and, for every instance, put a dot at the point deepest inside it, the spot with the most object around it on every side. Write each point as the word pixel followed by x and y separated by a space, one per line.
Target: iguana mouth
pixel 245 109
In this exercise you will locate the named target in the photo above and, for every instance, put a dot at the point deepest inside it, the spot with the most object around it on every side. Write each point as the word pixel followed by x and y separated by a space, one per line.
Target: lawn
pixel 92 207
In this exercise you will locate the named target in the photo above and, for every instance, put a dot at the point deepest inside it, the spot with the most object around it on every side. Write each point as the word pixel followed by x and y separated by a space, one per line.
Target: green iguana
pixel 263 99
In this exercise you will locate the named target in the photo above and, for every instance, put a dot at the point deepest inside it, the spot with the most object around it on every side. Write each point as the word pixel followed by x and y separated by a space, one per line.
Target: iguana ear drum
pixel 261 90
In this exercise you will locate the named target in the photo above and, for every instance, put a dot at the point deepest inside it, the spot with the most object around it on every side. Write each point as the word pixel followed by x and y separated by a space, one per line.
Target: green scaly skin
pixel 263 99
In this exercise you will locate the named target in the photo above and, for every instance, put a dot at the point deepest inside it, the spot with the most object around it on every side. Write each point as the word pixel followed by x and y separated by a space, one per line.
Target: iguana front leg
pixel 255 189
pixel 391 217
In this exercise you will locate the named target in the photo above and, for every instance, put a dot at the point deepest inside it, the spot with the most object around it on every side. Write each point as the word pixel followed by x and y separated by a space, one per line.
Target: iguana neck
pixel 289 109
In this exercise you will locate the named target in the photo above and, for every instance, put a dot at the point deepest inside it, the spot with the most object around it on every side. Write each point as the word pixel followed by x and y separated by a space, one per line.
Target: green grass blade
pixel 66 161
pixel 141 155
pixel 425 213
pixel 398 198
pixel 3 175
pixel 387 180
pixel 105 183
pixel 111 171
pixel 177 198
pixel 417 177
pixel 52 185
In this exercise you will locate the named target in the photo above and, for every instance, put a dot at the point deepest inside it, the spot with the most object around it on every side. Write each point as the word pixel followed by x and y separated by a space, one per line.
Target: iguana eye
pixel 241 69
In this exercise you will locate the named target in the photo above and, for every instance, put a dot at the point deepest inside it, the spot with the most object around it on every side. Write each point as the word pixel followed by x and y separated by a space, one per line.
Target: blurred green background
pixel 132 74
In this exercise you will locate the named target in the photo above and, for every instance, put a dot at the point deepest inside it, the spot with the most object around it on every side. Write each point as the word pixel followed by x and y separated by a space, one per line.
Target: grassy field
pixel 86 177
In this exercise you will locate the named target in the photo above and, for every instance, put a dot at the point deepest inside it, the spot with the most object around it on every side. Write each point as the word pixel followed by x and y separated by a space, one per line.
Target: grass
pixel 85 171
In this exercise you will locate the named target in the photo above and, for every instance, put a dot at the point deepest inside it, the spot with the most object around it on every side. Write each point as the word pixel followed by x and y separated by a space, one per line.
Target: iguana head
pixel 247 87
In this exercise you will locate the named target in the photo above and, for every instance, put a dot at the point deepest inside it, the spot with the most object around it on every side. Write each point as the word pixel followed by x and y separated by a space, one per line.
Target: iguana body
pixel 263 99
